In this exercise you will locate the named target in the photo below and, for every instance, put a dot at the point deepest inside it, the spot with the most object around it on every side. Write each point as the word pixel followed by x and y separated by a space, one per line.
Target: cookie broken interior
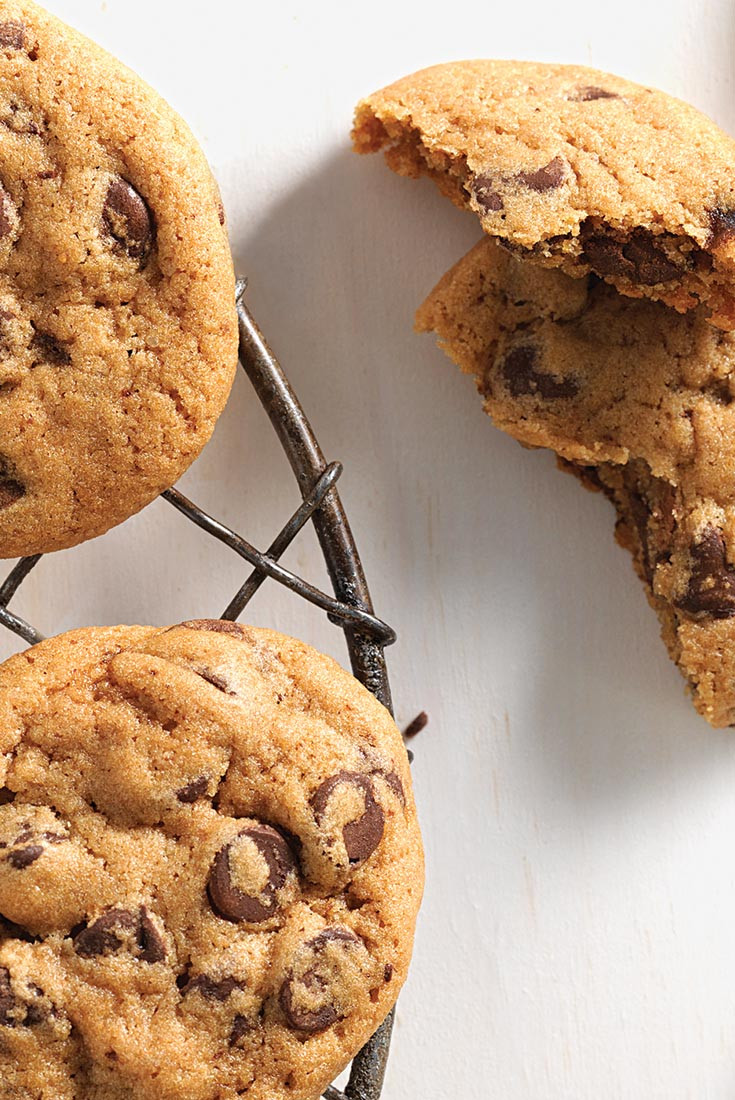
pixel 637 401
pixel 574 168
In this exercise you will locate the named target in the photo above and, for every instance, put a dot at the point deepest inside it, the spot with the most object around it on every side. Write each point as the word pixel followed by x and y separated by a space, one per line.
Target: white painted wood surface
pixel 578 936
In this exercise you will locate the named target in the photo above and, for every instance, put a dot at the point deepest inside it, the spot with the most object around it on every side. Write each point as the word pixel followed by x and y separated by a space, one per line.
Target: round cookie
pixel 579 169
pixel 640 402
pixel 118 333
pixel 210 866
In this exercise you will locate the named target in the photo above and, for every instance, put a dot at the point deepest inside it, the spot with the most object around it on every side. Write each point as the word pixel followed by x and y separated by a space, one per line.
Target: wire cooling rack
pixel 350 608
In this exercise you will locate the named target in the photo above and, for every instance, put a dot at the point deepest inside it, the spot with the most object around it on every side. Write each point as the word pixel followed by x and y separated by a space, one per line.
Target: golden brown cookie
pixel 577 168
pixel 210 866
pixel 639 401
pixel 118 334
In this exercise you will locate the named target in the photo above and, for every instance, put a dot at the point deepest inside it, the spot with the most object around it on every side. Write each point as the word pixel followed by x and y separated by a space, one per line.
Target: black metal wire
pixel 350 607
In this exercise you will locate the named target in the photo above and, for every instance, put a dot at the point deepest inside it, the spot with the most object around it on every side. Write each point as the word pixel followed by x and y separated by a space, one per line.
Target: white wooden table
pixel 577 940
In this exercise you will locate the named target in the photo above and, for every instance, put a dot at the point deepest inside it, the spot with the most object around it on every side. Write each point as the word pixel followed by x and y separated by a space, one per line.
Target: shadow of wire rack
pixel 350 608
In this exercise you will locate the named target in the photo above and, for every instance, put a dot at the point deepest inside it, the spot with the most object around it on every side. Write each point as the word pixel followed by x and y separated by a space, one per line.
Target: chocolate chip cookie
pixel 576 168
pixel 638 401
pixel 210 866
pixel 118 334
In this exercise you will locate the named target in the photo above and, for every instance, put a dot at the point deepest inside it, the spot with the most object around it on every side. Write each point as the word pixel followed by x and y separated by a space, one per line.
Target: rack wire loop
pixel 350 607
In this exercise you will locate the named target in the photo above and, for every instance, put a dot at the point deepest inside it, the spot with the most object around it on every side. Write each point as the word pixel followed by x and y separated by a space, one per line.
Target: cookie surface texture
pixel 640 402
pixel 577 168
pixel 210 866
pixel 118 334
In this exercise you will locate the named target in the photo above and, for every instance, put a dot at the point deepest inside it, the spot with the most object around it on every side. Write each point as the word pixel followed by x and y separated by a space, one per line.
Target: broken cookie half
pixel 576 169
pixel 638 401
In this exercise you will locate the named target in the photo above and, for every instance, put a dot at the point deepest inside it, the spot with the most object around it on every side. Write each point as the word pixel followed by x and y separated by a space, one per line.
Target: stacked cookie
pixel 210 866
pixel 597 314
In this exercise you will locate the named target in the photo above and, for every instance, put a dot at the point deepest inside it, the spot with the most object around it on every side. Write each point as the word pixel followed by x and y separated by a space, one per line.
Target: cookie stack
pixel 210 865
pixel 597 314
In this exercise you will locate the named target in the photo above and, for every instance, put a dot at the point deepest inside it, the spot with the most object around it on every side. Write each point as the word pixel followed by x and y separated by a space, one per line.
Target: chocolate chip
pixel 711 589
pixel 388 972
pixel 484 189
pixel 7 1000
pixel 487 189
pixel 394 782
pixel 241 1025
pixel 194 790
pixel 12 35
pixel 638 257
pixel 50 349
pixel 11 490
pixel 19 117
pixel 127 219
pixel 233 903
pixel 6 796
pixel 220 626
pixel 122 928
pixel 36 1011
pixel 20 858
pixel 314 982
pixel 15 1013
pixel 547 178
pixel 589 92
pixel 151 942
pixel 519 369
pixel 211 989
pixel 216 681
pixel 363 835
pixel 722 227
pixel 416 726
pixel 221 213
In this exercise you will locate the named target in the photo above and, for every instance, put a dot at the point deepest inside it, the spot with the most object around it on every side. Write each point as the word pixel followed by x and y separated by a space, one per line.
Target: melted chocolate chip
pixel 388 972
pixel 6 796
pixel 519 370
pixel 233 903
pixel 711 589
pixel 547 178
pixel 220 626
pixel 127 220
pixel 194 790
pixel 49 349
pixel 590 92
pixel 114 929
pixel 722 227
pixel 316 981
pixel 12 35
pixel 11 490
pixel 211 989
pixel 363 835
pixel 20 858
pixel 640 513
pixel 638 257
